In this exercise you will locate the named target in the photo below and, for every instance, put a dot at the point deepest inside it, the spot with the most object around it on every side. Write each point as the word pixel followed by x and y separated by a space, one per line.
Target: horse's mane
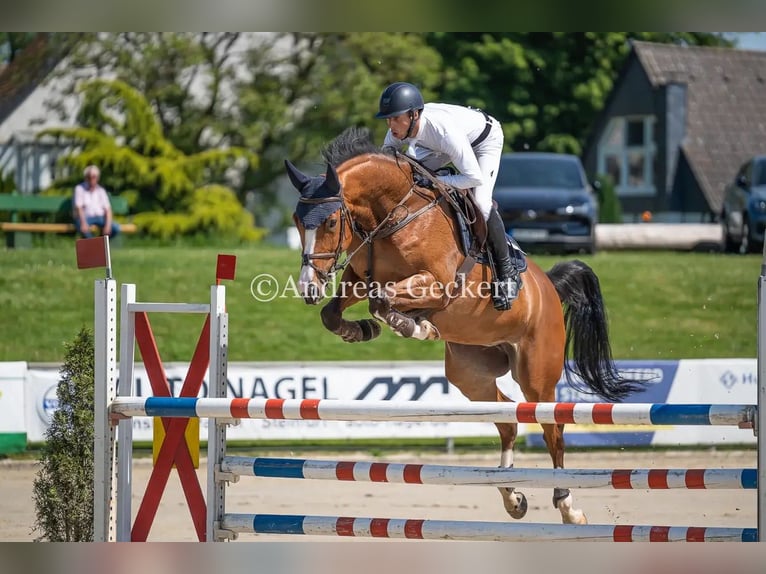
pixel 352 142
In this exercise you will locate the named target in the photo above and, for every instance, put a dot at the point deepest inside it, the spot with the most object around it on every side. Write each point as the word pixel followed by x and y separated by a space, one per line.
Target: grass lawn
pixel 661 306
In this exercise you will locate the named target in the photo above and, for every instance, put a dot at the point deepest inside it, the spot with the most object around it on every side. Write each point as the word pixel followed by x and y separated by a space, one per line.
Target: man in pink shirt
pixel 92 206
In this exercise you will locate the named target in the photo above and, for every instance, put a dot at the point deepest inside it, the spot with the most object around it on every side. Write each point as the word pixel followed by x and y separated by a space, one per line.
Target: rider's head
pixel 400 105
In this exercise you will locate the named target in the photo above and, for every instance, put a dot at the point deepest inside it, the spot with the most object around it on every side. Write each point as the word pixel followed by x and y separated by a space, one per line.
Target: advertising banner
pixel 13 437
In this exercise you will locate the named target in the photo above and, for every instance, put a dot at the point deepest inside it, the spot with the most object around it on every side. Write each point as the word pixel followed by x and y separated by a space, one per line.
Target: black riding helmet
pixel 399 98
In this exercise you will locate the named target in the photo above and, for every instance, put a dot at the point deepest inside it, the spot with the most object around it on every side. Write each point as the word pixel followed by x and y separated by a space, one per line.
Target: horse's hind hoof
pixel 575 517
pixel 519 510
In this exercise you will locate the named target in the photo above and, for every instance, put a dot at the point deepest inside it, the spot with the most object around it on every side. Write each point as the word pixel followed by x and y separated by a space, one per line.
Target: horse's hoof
pixel 519 510
pixel 575 517
pixel 430 330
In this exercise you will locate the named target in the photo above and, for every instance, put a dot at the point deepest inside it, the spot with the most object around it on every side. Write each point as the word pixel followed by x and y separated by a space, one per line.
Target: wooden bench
pixel 56 227
pixel 59 206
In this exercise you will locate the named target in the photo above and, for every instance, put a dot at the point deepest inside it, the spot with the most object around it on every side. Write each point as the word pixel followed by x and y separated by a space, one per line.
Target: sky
pixel 750 40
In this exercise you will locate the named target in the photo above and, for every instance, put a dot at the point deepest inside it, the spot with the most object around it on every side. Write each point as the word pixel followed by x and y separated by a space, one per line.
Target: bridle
pixel 382 230
pixel 308 258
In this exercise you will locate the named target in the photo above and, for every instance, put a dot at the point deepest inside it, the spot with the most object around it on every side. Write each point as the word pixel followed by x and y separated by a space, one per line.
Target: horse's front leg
pixel 348 294
pixel 420 291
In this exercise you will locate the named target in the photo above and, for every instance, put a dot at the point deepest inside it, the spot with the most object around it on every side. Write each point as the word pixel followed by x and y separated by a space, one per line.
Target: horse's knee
pixel 331 316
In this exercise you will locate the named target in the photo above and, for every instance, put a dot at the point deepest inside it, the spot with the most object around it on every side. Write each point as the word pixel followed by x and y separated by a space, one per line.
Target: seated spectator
pixel 92 207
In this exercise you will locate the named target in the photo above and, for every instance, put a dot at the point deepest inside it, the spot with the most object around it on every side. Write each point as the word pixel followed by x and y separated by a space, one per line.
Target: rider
pixel 470 139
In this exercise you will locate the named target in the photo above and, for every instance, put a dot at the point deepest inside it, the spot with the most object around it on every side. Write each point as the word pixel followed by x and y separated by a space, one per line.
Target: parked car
pixel 546 201
pixel 743 214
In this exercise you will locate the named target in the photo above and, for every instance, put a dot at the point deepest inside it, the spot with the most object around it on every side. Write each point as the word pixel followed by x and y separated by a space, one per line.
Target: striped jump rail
pixel 729 478
pixel 337 410
pixel 476 531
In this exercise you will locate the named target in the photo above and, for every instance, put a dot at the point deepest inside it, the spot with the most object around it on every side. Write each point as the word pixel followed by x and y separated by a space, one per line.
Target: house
pixel 23 112
pixel 679 122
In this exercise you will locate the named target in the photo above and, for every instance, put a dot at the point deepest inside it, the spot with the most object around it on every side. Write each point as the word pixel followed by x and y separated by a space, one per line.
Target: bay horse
pixel 402 236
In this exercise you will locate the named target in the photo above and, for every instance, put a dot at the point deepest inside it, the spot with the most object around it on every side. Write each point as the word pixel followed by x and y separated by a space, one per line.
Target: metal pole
pixel 760 422
pixel 216 441
pixel 125 427
pixel 105 373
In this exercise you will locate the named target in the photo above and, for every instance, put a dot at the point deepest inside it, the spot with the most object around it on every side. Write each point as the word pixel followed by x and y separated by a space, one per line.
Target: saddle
pixel 472 232
pixel 472 228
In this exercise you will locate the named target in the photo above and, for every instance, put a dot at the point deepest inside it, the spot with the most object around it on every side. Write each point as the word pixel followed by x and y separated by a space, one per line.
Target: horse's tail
pixel 587 336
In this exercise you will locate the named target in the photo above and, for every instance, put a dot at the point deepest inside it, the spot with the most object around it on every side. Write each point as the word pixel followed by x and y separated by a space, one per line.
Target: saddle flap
pixel 473 236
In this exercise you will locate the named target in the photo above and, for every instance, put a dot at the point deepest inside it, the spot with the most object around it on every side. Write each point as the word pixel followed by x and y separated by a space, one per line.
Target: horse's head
pixel 321 220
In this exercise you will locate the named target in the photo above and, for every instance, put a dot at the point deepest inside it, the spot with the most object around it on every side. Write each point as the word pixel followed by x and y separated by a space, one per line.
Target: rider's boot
pixel 505 288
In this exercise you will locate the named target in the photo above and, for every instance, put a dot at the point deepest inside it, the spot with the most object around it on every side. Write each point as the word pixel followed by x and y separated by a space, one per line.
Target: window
pixel 626 153
pixel 759 177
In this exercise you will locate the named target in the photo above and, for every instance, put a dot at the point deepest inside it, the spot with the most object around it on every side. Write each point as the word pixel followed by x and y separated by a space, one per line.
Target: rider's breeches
pixel 488 153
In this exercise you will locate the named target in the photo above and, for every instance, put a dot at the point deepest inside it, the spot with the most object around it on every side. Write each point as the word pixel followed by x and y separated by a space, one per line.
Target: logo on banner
pixel 728 379
pixel 414 385
pixel 48 405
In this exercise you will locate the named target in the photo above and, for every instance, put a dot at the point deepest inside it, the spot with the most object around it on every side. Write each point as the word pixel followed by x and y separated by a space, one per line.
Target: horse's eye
pixel 331 223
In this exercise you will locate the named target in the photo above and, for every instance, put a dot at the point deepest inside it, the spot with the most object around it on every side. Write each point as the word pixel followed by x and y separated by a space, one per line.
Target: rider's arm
pixel 455 144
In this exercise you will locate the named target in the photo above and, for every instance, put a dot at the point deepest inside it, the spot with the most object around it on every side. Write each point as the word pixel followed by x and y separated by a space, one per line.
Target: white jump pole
pixel 125 427
pixel 216 441
pixel 105 375
pixel 760 423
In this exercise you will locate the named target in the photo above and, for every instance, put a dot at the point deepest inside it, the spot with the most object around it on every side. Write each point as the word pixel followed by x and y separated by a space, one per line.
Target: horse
pixel 401 245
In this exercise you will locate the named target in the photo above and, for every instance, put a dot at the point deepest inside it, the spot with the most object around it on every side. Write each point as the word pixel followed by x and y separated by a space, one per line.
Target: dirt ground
pixel 736 508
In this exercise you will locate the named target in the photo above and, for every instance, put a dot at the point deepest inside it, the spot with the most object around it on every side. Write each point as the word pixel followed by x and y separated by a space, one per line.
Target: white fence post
pixel 105 374
pixel 760 422
pixel 125 427
pixel 216 441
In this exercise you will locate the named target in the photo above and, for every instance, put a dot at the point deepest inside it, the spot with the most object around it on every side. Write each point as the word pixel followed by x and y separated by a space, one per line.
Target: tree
pixel 184 76
pixel 63 488
pixel 304 89
pixel 545 87
pixel 173 192
pixel 277 94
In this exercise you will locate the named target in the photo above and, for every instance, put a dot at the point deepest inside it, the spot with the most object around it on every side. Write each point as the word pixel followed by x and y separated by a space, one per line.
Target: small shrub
pixel 610 210
pixel 63 488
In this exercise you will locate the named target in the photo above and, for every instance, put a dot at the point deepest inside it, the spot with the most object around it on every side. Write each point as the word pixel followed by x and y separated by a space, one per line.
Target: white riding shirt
pixel 445 135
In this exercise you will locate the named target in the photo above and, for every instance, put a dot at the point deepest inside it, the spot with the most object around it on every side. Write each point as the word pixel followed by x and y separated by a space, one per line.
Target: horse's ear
pixel 298 179
pixel 331 179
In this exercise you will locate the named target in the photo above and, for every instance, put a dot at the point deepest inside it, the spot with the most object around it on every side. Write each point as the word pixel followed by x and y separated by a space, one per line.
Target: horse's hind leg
pixel 537 374
pixel 474 370
pixel 514 500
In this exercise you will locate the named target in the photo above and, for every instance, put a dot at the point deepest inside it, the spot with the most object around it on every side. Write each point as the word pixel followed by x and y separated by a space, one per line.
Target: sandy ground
pixel 262 495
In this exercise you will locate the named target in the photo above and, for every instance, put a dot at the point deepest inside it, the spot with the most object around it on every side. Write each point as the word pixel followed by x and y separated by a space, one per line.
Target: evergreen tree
pixel 63 489
pixel 610 210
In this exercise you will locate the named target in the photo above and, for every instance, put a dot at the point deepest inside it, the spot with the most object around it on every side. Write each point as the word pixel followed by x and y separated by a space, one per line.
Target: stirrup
pixel 504 293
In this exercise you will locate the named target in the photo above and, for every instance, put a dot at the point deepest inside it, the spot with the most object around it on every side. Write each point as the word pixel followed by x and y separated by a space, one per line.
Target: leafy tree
pixel 186 77
pixel 304 89
pixel 545 87
pixel 277 94
pixel 175 193
pixel 63 488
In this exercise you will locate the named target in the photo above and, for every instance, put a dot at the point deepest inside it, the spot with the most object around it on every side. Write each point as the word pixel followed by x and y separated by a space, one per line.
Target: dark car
pixel 546 201
pixel 743 214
